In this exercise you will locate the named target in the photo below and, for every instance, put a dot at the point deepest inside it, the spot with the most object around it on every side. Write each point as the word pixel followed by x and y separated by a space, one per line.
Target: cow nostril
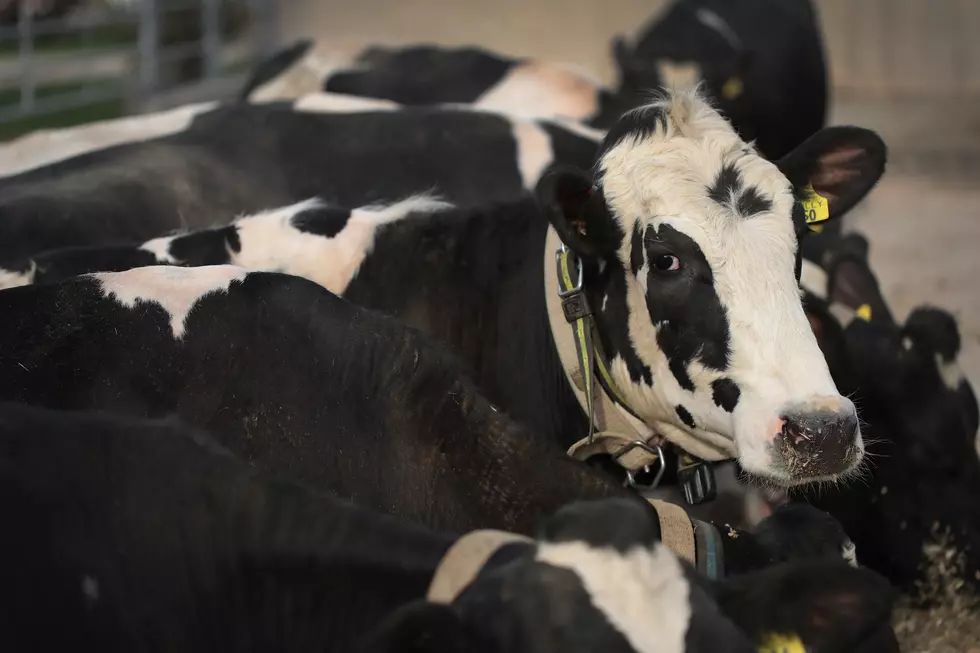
pixel 822 443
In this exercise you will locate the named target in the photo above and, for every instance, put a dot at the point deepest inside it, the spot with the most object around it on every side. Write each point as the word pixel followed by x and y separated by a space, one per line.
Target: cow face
pixel 688 239
pixel 598 579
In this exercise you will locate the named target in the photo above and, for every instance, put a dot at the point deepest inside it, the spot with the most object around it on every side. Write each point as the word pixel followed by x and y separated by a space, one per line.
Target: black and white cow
pixel 688 249
pixel 238 159
pixel 304 384
pixel 920 416
pixel 144 534
pixel 762 60
pixel 430 75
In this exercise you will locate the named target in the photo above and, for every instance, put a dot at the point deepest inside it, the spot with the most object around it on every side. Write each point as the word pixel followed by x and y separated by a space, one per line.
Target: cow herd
pixel 449 351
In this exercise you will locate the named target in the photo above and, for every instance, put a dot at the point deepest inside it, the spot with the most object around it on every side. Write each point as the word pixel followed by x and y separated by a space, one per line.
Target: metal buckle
pixel 655 450
pixel 578 285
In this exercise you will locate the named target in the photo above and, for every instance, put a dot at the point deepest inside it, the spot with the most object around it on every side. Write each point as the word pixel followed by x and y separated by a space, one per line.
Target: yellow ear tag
pixel 863 312
pixel 816 227
pixel 782 644
pixel 815 207
pixel 732 89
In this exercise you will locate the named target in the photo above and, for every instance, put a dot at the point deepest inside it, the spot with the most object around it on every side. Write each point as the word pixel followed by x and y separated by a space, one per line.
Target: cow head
pixel 597 579
pixel 921 421
pixel 723 76
pixel 688 242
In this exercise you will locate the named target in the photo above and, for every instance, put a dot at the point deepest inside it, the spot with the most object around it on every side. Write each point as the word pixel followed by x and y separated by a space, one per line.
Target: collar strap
pixel 464 560
pixel 697 542
pixel 614 427
pixel 693 540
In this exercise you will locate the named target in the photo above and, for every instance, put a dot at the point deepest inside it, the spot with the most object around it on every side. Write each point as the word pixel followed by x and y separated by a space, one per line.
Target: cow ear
pixel 622 56
pixel 812 606
pixel 421 627
pixel 834 169
pixel 577 211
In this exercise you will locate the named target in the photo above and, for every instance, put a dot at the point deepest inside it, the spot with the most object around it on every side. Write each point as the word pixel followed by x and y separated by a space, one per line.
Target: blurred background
pixel 907 68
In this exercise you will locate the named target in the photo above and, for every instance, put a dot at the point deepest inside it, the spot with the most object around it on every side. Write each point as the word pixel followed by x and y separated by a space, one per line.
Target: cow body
pixel 304 384
pixel 147 534
pixel 478 278
pixel 240 159
pixel 292 379
pixel 760 61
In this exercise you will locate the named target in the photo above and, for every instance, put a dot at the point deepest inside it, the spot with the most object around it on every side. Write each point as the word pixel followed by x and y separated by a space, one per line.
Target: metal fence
pixel 103 58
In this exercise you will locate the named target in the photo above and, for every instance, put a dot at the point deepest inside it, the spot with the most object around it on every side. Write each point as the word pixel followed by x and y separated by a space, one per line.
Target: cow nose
pixel 817 443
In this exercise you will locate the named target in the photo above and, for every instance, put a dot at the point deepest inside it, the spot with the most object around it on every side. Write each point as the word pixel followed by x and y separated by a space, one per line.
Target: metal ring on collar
pixel 655 450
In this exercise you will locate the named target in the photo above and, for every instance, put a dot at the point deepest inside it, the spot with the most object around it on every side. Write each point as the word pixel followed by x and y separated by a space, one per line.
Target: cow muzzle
pixel 820 439
pixel 816 439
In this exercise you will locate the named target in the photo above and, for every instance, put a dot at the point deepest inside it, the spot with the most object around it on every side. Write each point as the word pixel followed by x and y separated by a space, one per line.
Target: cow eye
pixel 667 263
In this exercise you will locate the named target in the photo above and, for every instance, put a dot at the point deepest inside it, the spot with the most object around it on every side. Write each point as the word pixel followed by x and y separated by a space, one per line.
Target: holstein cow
pixel 763 61
pixel 147 535
pixel 302 383
pixel 920 417
pixel 685 242
pixel 236 159
pixel 428 75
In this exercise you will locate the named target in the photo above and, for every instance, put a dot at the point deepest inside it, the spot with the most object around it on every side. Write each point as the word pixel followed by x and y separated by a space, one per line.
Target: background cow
pixel 116 526
pixel 761 62
pixel 244 158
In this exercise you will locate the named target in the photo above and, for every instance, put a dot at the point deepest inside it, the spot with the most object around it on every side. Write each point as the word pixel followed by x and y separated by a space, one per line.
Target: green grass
pixel 97 38
pixel 101 110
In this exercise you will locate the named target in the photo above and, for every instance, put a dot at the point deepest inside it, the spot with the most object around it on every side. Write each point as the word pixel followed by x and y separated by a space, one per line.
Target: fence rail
pixel 112 59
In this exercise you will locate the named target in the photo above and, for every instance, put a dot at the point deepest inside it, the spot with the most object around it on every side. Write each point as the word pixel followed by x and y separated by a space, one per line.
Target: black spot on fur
pixel 636 248
pixel 725 392
pixel 326 221
pixel 207 247
pixel 622 524
pixel 690 319
pixel 728 184
pixel 613 320
pixel 751 202
pixel 729 191
pixel 638 124
pixel 685 416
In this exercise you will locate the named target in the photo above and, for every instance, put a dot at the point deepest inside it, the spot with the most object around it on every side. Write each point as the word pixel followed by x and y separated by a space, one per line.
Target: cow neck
pixel 614 428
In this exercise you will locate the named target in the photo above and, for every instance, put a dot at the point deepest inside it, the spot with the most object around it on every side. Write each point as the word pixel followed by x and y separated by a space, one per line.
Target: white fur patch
pixel 951 373
pixel 269 241
pixel 679 76
pixel 534 152
pixel 177 290
pixel 15 279
pixel 642 593
pixel 48 146
pixel 541 88
pixel 338 103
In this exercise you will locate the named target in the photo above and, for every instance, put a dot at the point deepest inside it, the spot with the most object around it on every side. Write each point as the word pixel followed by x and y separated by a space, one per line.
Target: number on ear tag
pixel 815 207
pixel 782 644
